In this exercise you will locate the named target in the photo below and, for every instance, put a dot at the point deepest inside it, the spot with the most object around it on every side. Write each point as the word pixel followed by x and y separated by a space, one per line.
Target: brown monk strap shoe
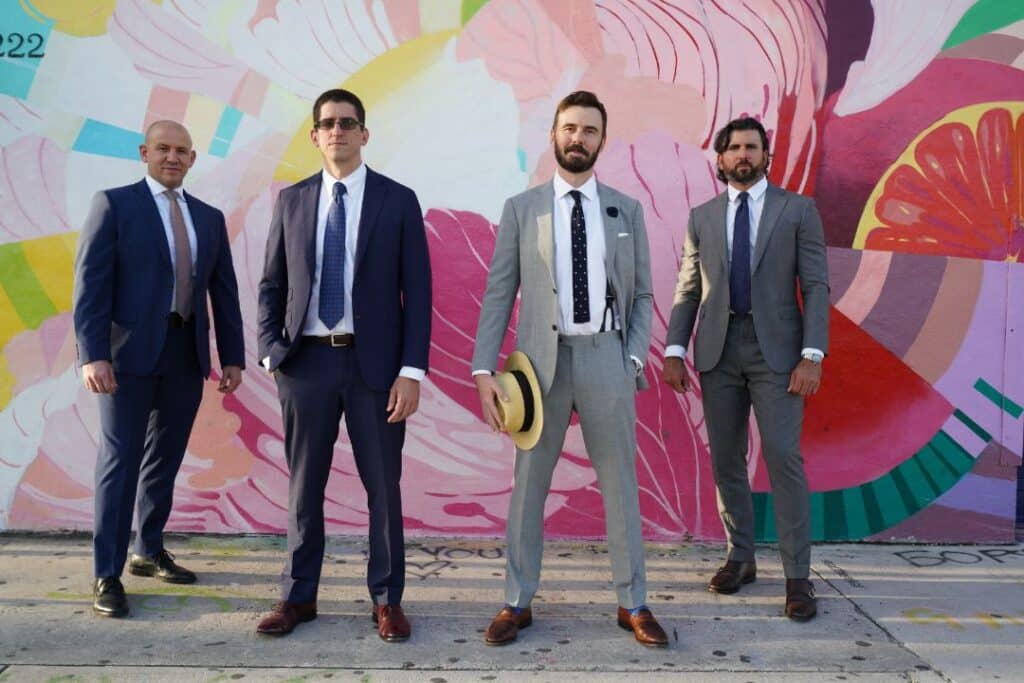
pixel 731 575
pixel 285 617
pixel 392 625
pixel 644 627
pixel 505 627
pixel 801 604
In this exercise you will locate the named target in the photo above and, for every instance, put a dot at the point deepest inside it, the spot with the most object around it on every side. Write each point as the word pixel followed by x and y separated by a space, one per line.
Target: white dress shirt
pixel 755 206
pixel 163 207
pixel 355 184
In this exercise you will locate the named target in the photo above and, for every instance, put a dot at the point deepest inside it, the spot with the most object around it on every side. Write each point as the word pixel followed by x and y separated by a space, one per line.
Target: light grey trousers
pixel 592 379
pixel 742 378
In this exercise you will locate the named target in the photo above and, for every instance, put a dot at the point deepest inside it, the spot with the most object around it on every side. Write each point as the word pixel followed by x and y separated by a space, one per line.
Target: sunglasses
pixel 346 123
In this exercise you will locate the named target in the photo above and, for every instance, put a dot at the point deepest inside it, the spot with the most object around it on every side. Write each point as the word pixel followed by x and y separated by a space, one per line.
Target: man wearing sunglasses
pixel 344 326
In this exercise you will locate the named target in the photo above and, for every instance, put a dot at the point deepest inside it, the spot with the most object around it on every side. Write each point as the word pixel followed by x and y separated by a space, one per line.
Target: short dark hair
pixel 340 95
pixel 582 98
pixel 725 134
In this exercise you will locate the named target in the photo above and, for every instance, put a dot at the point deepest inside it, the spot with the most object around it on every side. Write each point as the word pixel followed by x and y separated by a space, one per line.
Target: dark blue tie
pixel 580 282
pixel 332 271
pixel 739 269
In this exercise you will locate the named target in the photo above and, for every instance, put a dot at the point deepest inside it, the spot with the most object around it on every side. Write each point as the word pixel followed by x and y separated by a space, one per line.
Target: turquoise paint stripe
pixel 972 425
pixel 521 156
pixel 103 139
pixel 226 129
pixel 994 395
pixel 817 505
pixel 17 74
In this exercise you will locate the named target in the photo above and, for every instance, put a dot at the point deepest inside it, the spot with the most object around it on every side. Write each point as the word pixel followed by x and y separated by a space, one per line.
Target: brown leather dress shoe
pixel 644 627
pixel 392 625
pixel 731 575
pixel 801 604
pixel 505 627
pixel 285 617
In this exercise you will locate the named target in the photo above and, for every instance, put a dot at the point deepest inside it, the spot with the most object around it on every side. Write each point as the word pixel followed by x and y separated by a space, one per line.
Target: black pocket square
pixel 612 211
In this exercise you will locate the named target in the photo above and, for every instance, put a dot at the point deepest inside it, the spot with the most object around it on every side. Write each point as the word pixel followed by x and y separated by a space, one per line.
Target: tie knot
pixel 576 195
pixel 171 194
pixel 339 191
pixel 743 197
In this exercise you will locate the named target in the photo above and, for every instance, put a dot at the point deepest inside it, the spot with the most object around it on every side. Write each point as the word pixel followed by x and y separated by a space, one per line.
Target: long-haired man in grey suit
pixel 576 251
pixel 746 253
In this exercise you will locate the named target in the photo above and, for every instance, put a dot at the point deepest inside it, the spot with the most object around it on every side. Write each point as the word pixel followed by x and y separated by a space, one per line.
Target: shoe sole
pixel 278 634
pixel 627 627
pixel 111 614
pixel 800 618
pixel 140 571
pixel 743 582
pixel 520 627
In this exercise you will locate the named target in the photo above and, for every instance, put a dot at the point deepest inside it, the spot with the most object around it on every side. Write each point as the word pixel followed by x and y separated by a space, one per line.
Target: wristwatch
pixel 813 356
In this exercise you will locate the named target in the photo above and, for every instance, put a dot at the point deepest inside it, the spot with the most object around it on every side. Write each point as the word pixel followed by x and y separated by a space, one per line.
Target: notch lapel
pixel 309 198
pixel 373 202
pixel 611 229
pixel 149 202
pixel 719 234
pixel 546 229
pixel 202 239
pixel 774 201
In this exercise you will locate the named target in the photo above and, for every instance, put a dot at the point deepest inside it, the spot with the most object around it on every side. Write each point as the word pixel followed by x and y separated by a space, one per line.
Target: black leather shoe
pixel 801 605
pixel 162 566
pixel 731 576
pixel 110 600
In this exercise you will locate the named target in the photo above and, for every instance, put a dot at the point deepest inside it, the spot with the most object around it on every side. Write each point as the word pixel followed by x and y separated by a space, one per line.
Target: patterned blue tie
pixel 332 272
pixel 580 281
pixel 739 269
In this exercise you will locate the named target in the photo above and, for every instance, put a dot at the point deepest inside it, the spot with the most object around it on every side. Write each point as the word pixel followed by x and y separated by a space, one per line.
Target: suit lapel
pixel 149 202
pixel 774 202
pixel 719 233
pixel 545 227
pixel 202 235
pixel 373 201
pixel 309 199
pixel 611 228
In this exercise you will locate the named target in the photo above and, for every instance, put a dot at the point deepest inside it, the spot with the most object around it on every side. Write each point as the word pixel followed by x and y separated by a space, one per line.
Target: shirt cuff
pixel 675 351
pixel 637 363
pixel 266 363
pixel 412 373
pixel 817 355
pixel 482 372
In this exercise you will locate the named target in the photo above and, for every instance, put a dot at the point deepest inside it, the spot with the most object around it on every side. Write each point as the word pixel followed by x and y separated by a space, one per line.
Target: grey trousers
pixel 592 379
pixel 742 378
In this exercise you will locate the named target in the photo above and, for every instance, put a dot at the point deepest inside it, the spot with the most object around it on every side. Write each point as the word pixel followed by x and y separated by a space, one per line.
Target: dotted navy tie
pixel 332 272
pixel 580 285
pixel 739 269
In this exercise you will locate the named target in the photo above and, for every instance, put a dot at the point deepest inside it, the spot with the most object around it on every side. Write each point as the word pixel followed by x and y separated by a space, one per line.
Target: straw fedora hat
pixel 522 415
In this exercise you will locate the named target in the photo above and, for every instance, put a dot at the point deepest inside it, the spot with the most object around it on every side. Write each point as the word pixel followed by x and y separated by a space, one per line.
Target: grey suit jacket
pixel 790 251
pixel 523 262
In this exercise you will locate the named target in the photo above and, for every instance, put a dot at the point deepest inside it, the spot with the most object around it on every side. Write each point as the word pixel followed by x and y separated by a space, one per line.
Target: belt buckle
pixel 337 341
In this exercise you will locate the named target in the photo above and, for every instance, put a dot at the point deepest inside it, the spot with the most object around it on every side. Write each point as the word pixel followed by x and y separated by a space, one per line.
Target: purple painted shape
pixel 842 269
pixel 983 354
pixel 995 497
pixel 1013 370
pixel 905 301
pixel 849 33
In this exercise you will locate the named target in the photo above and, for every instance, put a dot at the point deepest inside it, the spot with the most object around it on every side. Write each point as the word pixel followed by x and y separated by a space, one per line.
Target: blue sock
pixel 515 609
pixel 634 611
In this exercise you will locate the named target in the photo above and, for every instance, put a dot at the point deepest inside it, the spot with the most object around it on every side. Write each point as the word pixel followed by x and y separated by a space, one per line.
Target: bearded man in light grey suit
pixel 576 251
pixel 746 253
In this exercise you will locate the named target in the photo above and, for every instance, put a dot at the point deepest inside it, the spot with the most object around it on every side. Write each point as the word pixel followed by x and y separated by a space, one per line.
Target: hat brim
pixel 526 440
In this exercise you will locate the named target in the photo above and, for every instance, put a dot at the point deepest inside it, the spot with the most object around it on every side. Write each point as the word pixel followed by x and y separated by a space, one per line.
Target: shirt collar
pixel 755 192
pixel 588 189
pixel 352 180
pixel 157 188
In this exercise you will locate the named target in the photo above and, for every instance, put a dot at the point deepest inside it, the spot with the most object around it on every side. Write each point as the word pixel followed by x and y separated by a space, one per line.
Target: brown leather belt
pixel 176 322
pixel 336 340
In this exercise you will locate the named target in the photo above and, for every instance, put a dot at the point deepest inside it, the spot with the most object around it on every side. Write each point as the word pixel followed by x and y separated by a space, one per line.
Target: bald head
pixel 168 153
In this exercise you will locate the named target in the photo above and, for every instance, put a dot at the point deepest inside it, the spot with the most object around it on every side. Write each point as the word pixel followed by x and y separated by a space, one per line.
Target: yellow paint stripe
pixel 52 259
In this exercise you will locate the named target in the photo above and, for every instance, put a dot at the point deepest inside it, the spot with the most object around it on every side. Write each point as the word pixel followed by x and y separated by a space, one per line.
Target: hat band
pixel 524 387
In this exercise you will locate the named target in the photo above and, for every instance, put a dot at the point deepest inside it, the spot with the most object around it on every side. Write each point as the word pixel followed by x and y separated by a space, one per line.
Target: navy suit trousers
pixel 317 385
pixel 144 429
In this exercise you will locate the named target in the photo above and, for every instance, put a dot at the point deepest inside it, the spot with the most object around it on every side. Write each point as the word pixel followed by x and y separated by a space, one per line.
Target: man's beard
pixel 575 164
pixel 745 174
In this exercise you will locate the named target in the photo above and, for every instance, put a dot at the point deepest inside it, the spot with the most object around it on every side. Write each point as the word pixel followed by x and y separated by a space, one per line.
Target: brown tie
pixel 182 259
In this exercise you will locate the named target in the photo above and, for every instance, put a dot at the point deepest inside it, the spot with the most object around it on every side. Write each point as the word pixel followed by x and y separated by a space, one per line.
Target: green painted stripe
pixel 936 467
pixel 817 516
pixel 835 515
pixel 910 501
pixel 871 508
pixel 469 8
pixel 27 295
pixel 857 525
pixel 919 481
pixel 972 425
pixel 994 395
pixel 764 517
pixel 984 17
pixel 890 504
pixel 957 456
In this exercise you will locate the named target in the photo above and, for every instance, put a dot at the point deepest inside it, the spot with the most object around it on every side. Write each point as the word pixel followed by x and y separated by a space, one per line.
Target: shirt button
pixel 554 328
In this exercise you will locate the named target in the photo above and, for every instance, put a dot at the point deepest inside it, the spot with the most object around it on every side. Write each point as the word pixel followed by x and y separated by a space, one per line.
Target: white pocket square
pixel 623 234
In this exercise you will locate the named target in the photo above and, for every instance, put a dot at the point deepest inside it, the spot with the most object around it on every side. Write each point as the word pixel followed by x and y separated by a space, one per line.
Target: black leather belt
pixel 176 322
pixel 335 340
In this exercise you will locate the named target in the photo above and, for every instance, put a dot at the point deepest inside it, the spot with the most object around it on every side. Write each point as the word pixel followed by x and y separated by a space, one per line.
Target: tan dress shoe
pixel 285 617
pixel 392 625
pixel 644 626
pixel 505 627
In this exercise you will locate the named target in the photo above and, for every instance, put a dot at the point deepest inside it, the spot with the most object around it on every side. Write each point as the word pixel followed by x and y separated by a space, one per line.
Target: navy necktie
pixel 580 284
pixel 332 271
pixel 739 269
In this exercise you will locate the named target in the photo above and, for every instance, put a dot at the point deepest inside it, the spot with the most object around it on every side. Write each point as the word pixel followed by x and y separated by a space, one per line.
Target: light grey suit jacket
pixel 524 262
pixel 790 251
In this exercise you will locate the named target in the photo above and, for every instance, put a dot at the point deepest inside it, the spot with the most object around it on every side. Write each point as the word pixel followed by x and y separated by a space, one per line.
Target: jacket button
pixel 554 328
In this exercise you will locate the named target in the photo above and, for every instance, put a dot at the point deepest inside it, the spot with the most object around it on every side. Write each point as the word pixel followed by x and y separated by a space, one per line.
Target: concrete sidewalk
pixel 916 613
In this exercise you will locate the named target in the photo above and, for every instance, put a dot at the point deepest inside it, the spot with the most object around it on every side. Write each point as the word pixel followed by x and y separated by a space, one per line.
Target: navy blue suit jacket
pixel 391 283
pixel 124 283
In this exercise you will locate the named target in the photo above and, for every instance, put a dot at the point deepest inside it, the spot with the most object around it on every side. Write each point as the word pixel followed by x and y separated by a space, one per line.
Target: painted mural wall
pixel 904 118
